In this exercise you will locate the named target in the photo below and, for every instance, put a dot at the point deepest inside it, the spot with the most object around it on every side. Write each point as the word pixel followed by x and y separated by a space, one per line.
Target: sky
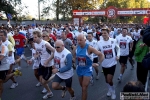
pixel 33 8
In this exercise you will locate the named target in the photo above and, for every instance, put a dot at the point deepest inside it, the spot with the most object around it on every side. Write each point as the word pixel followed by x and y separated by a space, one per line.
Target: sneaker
pixel 44 91
pixel 48 95
pixel 17 73
pixel 120 78
pixel 113 95
pixel 19 68
pixel 97 76
pixel 64 92
pixel 38 84
pixel 14 85
pixel 23 57
pixel 73 98
pixel 109 93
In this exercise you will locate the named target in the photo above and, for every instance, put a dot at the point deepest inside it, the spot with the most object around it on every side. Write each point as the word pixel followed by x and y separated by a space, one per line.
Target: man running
pixel 45 68
pixel 3 36
pixel 108 46
pixel 93 43
pixel 63 69
pixel 82 53
pixel 4 66
pixel 124 41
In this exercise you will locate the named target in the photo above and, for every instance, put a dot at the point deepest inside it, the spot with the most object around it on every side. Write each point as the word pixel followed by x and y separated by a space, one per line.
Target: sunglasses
pixel 43 36
pixel 57 47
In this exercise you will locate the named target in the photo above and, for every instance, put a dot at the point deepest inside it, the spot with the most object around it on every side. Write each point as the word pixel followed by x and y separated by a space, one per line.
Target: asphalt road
pixel 27 90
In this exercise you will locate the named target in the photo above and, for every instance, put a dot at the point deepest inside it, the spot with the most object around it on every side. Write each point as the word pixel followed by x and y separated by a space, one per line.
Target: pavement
pixel 27 90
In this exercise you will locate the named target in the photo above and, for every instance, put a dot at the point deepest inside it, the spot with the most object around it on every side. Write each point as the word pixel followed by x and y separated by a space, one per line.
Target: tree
pixel 65 7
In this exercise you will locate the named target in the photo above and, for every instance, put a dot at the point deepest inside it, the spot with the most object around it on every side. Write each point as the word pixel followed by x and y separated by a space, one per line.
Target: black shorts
pixel 68 81
pixel 3 74
pixel 110 70
pixel 123 60
pixel 45 72
pixel 95 60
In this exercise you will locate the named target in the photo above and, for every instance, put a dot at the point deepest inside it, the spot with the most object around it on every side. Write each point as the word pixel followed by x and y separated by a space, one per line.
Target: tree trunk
pixel 57 10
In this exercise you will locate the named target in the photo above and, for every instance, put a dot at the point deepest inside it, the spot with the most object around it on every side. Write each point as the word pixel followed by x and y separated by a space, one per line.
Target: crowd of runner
pixel 57 50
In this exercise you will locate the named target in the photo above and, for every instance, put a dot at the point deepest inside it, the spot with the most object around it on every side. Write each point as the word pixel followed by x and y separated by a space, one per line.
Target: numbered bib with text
pixel 108 54
pixel 81 61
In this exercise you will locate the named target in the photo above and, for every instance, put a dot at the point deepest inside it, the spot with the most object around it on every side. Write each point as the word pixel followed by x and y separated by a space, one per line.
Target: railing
pixel 147 82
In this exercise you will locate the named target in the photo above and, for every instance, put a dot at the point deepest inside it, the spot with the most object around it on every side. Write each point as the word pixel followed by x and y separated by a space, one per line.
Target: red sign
pixel 146 20
pixel 112 12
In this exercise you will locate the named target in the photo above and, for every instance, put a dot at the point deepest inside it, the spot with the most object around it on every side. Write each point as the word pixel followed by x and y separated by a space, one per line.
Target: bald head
pixel 59 45
pixel 81 36
pixel 59 42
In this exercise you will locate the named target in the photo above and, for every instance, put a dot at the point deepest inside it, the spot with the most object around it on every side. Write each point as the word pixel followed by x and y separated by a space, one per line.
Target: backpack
pixel 146 62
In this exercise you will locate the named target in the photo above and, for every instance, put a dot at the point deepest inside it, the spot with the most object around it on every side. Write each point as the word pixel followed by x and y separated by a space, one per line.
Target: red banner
pixel 112 12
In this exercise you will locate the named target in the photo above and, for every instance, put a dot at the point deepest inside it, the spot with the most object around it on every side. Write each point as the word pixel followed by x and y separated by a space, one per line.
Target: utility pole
pixel 39 10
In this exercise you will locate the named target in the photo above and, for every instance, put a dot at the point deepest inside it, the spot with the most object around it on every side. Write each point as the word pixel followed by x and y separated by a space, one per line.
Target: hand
pixel 74 60
pixel 24 45
pixel 55 70
pixel 117 58
pixel 141 45
pixel 29 62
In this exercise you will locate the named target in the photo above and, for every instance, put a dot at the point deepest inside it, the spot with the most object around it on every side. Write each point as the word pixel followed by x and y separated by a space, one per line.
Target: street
pixel 27 90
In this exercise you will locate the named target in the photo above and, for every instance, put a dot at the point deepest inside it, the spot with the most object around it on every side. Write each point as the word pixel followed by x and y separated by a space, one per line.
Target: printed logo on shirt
pixel 108 54
pixel 57 62
pixel 81 61
pixel 17 41
pixel 123 45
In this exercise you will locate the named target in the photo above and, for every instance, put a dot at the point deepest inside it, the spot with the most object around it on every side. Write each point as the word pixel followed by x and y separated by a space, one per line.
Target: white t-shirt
pixel 108 49
pixel 78 33
pixel 10 58
pixel 92 43
pixel 136 35
pixel 111 34
pixel 4 63
pixel 44 55
pixel 60 62
pixel 124 44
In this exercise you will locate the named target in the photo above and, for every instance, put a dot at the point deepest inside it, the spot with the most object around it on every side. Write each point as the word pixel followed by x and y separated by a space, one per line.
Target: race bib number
pixel 123 45
pixel 108 54
pixel 57 62
pixel 81 61
pixel 17 42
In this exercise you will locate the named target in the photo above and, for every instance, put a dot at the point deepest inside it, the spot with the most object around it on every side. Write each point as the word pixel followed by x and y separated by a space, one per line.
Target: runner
pixel 107 46
pixel 67 42
pixel 36 60
pixel 90 41
pixel 20 43
pixel 45 68
pixel 124 41
pixel 3 36
pixel 82 53
pixel 63 69
pixel 4 66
